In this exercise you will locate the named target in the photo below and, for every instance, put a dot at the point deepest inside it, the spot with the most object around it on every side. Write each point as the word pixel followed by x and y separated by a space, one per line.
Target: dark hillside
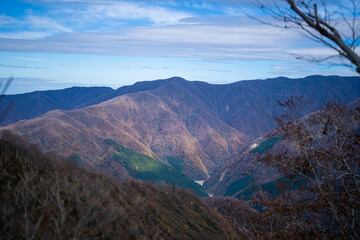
pixel 44 197
pixel 250 106
pixel 34 104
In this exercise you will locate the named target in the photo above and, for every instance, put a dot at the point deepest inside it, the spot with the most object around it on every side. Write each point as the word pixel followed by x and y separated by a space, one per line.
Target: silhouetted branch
pixel 337 29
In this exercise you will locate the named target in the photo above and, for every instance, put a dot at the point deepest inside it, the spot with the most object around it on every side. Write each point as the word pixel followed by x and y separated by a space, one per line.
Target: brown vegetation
pixel 142 122
pixel 44 197
pixel 203 124
pixel 320 156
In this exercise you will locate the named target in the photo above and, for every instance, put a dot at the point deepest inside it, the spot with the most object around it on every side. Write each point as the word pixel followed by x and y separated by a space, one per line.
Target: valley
pixel 184 120
pixel 172 147
pixel 199 129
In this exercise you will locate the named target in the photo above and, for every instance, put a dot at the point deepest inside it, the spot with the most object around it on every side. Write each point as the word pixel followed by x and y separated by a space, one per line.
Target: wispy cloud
pixel 193 41
pixel 301 68
pixel 45 23
pixel 218 70
pixel 6 21
pixel 85 13
pixel 30 26
pixel 133 11
pixel 87 16
pixel 23 35
pixel 28 59
pixel 147 67
pixel 202 29
pixel 23 66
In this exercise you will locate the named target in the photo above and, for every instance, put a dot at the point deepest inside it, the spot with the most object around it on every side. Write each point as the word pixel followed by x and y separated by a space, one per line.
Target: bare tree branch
pixel 335 28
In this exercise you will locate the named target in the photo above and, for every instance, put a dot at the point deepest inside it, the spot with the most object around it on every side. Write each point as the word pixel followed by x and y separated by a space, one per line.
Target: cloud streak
pixel 22 66
pixel 133 11
pixel 6 21
pixel 89 12
pixel 215 30
pixel 45 23
pixel 23 35
pixel 193 41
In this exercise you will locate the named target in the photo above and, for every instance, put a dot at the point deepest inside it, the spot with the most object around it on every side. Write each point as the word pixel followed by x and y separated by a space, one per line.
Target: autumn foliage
pixel 320 158
pixel 44 197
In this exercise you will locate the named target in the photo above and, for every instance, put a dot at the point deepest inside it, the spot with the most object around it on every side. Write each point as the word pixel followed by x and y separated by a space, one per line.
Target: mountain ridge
pixel 204 124
pixel 211 94
pixel 140 121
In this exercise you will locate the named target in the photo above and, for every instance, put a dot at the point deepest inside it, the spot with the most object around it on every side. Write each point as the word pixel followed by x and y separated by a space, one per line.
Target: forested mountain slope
pixel 199 124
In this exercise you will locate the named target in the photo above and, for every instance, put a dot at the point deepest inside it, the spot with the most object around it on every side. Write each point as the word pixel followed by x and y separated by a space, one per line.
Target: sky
pixel 54 44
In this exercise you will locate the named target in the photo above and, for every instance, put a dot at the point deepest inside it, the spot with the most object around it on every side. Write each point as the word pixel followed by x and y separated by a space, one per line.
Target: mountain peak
pixel 176 82
pixel 176 78
pixel 172 80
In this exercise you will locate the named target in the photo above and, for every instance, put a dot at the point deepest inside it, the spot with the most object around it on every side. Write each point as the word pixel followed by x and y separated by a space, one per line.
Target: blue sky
pixel 51 44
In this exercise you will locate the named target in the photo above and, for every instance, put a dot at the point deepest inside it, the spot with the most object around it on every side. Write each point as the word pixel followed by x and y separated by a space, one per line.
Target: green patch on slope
pixel 146 168
pixel 176 162
pixel 275 188
pixel 266 145
pixel 239 185
pixel 77 159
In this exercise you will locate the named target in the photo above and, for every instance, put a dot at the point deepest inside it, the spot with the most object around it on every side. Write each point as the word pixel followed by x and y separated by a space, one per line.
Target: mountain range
pixel 202 125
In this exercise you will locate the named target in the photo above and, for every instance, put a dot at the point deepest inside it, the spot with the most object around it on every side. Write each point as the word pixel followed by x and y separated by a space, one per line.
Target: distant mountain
pixel 141 121
pixel 34 104
pixel 248 106
pixel 198 124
